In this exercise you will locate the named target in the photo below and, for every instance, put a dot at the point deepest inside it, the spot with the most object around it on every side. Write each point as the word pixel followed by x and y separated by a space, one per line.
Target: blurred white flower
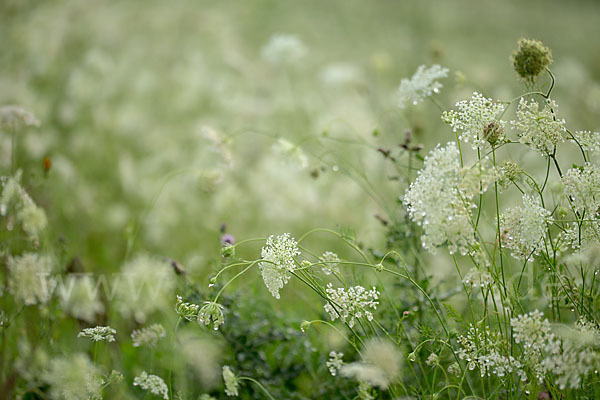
pixel 523 228
pixel 30 280
pixel 284 49
pixel 148 336
pixel 422 85
pixel 73 378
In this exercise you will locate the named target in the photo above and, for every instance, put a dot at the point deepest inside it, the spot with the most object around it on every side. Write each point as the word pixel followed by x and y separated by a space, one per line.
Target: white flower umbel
pixel 231 382
pixel 483 349
pixel 30 280
pixel 352 303
pixel 284 49
pixel 81 300
pixel 15 117
pixel 155 384
pixel 148 336
pixel 16 203
pixel 582 186
pixel 588 140
pixel 211 312
pixel 477 120
pixel 523 228
pixel 539 128
pixel 335 362
pixel 99 334
pixel 535 334
pixel 477 278
pixel 278 255
pixel 436 203
pixel 73 378
pixel 423 84
pixel 185 310
pixel 330 262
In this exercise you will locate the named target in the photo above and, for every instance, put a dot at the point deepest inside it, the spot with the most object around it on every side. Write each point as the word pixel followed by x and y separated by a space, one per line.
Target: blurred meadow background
pixel 167 124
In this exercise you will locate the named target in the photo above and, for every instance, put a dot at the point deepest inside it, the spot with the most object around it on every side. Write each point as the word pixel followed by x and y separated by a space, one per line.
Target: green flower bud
pixel 531 58
pixel 227 251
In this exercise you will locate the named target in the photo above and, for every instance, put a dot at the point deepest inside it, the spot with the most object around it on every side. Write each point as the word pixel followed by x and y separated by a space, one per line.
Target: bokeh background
pixel 163 121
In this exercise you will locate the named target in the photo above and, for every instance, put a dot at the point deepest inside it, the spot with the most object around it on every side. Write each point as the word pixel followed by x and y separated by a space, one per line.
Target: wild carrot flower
pixel 30 281
pixel 14 198
pixel 211 312
pixel 155 384
pixel 335 362
pixel 278 255
pixel 99 334
pixel 185 310
pixel 582 186
pixel 15 117
pixel 477 120
pixel 81 301
pixel 540 129
pixel 589 141
pixel 530 59
pixel 73 378
pixel 231 382
pixel 330 262
pixel 422 85
pixel 284 49
pixel 523 228
pixel 352 303
pixel 435 202
pixel 477 278
pixel 145 285
pixel 148 336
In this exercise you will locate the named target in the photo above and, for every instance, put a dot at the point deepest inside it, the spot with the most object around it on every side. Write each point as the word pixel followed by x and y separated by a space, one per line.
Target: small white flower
pixel 523 229
pixel 15 117
pixel 539 128
pixel 477 120
pixel 330 262
pixel 352 303
pixel 422 84
pixel 99 333
pixel 582 186
pixel 155 384
pixel 148 336
pixel 335 362
pixel 278 255
pixel 231 382
pixel 283 49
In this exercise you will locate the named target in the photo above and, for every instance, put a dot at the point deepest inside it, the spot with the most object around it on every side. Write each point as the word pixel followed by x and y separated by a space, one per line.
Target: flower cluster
pixel 477 278
pixel 30 281
pixel 155 384
pixel 422 85
pixel 335 362
pixel 25 212
pixel 477 120
pixel 283 49
pixel 352 303
pixel 330 262
pixel 148 336
pixel 435 202
pixel 536 336
pixel 582 186
pixel 185 310
pixel 278 255
pixel 588 140
pixel 15 117
pixel 539 128
pixel 530 59
pixel 82 302
pixel 211 312
pixel 523 228
pixel 482 349
pixel 231 382
pixel 73 378
pixel 99 334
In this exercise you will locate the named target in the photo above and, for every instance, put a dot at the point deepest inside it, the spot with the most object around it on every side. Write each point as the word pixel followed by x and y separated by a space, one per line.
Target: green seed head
pixel 531 58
